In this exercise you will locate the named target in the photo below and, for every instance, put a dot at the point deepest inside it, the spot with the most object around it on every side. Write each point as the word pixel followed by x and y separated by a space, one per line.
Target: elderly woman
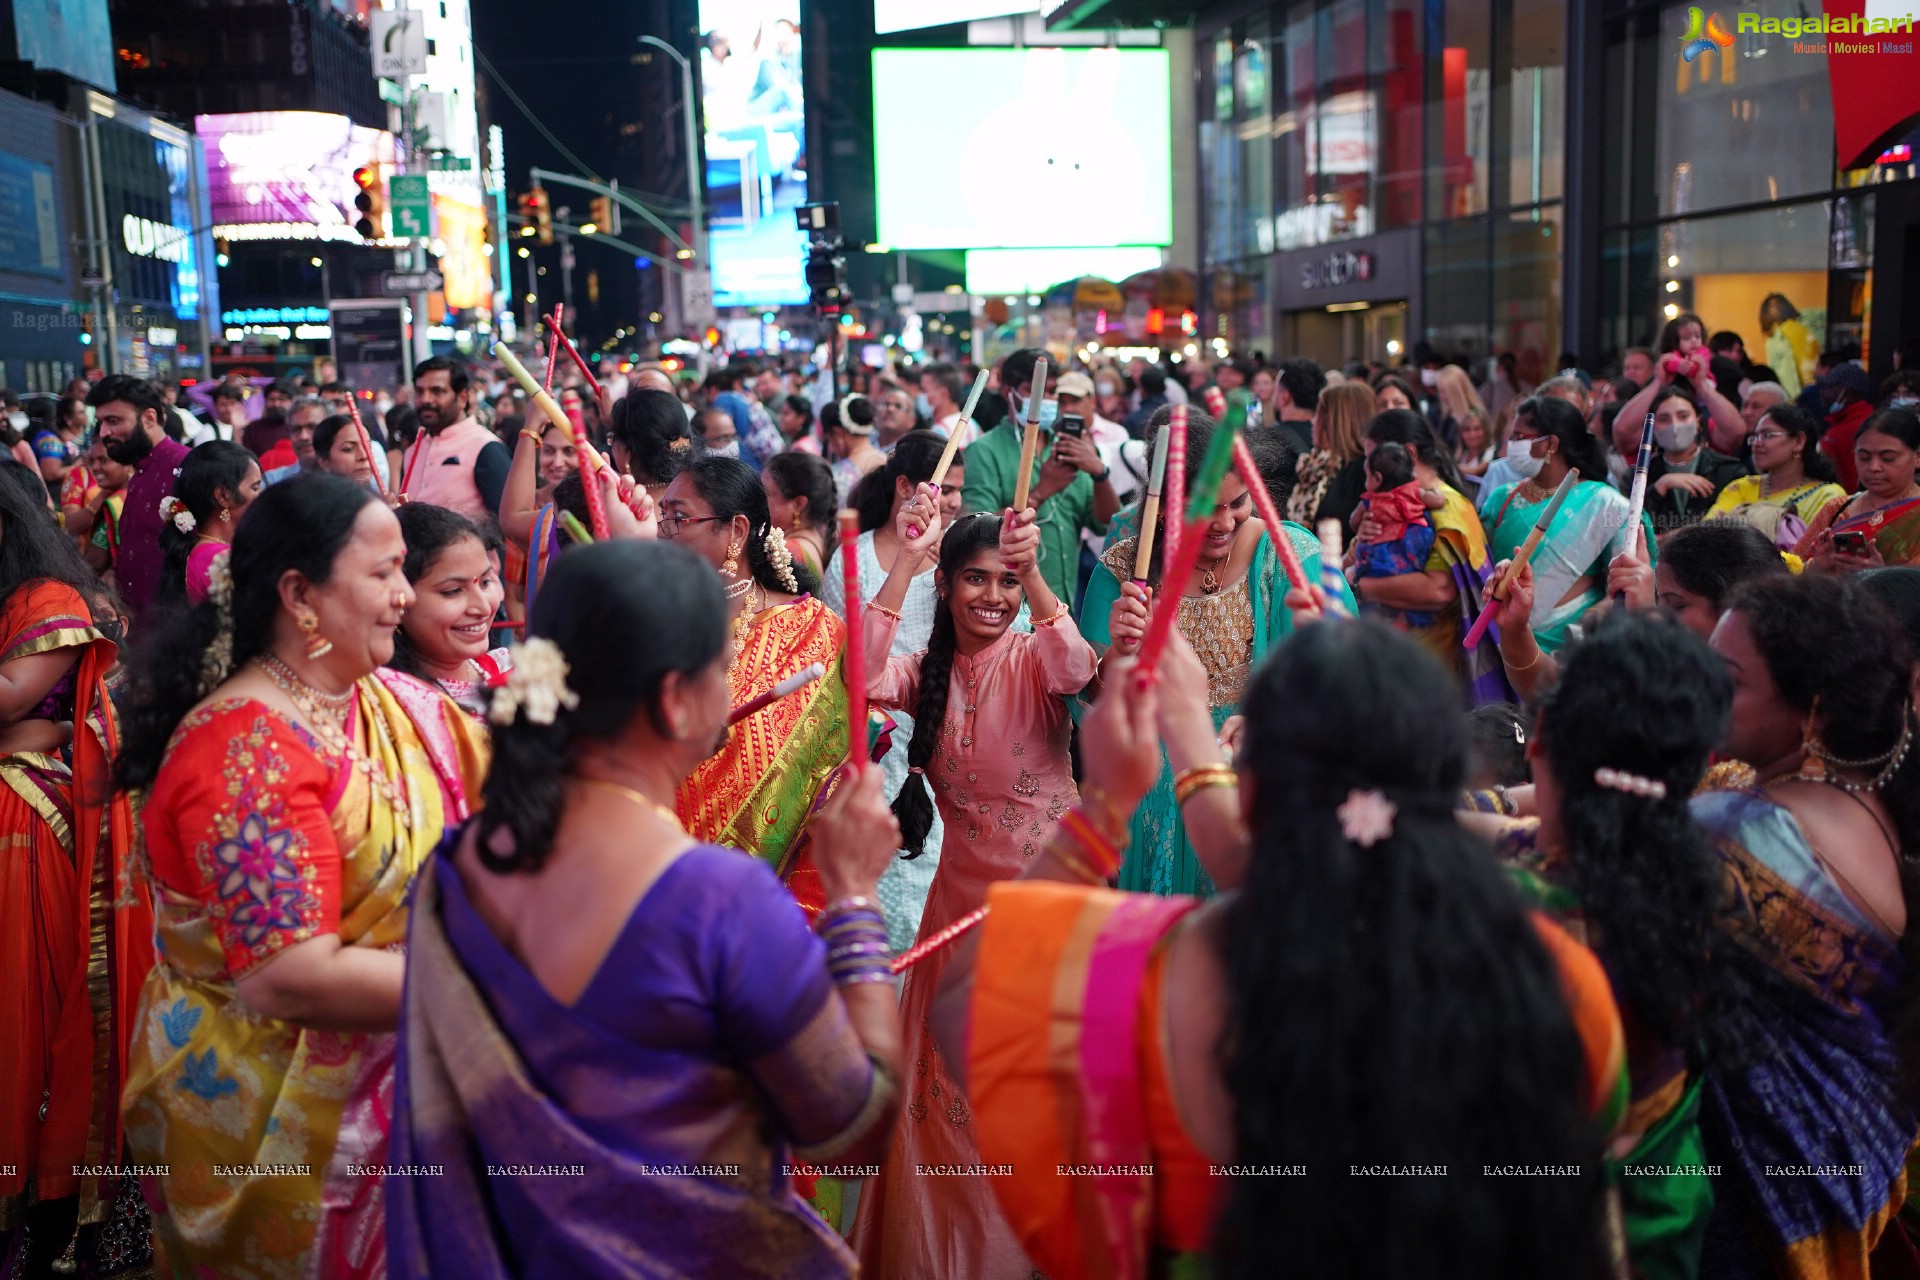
pixel 648 1073
pixel 291 796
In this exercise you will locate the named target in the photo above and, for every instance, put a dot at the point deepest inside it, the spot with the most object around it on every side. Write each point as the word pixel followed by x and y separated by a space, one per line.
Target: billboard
pixel 461 225
pixel 1044 148
pixel 287 175
pixel 910 15
pixel 756 141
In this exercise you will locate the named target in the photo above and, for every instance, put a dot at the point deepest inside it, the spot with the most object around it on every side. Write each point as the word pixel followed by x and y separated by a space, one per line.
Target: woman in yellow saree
pixel 762 784
pixel 291 795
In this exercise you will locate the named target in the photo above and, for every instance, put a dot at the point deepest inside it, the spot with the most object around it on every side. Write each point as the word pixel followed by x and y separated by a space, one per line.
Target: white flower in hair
pixel 171 508
pixel 782 559
pixel 1366 818
pixel 536 685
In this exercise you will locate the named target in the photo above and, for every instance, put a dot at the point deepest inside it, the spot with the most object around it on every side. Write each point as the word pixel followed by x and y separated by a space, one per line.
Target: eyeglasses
pixel 670 524
pixel 1758 436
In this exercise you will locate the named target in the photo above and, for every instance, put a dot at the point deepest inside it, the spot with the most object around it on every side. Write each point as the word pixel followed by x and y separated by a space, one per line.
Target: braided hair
pixel 969 536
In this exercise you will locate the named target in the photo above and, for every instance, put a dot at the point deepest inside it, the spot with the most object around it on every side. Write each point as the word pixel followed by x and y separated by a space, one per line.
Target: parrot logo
pixel 1705 31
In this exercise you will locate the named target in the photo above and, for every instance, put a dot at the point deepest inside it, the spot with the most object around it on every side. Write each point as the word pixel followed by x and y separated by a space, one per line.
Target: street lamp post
pixel 694 198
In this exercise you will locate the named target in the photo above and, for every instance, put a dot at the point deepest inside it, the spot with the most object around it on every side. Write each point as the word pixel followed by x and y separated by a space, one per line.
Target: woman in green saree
pixel 1550 439
pixel 1232 611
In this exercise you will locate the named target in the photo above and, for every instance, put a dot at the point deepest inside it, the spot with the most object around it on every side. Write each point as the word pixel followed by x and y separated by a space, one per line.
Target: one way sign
pixel 399 43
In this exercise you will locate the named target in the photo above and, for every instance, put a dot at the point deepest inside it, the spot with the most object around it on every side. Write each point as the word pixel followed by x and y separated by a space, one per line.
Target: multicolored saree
pixel 1460 550
pixel 1893 530
pixel 260 838
pixel 759 791
pixel 1812 1135
pixel 77 945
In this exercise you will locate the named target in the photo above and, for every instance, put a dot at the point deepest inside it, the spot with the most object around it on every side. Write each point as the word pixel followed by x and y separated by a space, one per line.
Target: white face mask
pixel 1429 377
pixel 18 421
pixel 1520 458
pixel 731 449
pixel 1676 437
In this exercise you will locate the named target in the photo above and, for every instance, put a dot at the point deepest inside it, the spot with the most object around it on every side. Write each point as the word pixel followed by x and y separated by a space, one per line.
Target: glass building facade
pixel 1379 174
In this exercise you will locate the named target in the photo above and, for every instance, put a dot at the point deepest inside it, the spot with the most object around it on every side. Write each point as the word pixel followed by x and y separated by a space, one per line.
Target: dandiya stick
pixel 566 345
pixel 366 441
pixel 575 529
pixel 1030 442
pixel 1637 500
pixel 553 351
pixel 792 684
pixel 1332 578
pixel 960 429
pixel 1173 518
pixel 921 950
pixel 1504 584
pixel 1270 516
pixel 1150 509
pixel 1180 566
pixel 535 392
pixel 856 661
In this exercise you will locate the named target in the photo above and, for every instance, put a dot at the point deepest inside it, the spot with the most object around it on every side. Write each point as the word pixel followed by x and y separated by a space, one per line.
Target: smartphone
pixel 1850 542
pixel 1071 424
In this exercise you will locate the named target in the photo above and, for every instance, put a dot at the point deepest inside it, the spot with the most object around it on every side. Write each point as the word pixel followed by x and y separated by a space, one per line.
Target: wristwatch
pixel 1105 472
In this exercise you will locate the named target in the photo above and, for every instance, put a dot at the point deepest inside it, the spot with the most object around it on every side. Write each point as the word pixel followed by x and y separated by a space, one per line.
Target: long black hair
pixel 652 427
pixel 1552 416
pixel 1644 695
pixel 625 614
pixel 731 488
pixel 32 548
pixel 429 530
pixel 212 467
pixel 1200 428
pixel 1392 1003
pixel 967 538
pixel 806 475
pixel 914 457
pixel 1828 639
pixel 1405 427
pixel 300 524
pixel 1713 557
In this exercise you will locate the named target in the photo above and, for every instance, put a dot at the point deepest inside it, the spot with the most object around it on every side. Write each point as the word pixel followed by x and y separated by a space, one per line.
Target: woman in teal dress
pixel 1232 611
pixel 1549 439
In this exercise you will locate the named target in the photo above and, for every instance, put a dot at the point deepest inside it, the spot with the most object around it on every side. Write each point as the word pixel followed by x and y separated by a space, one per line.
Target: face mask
pixel 1108 389
pixel 1836 406
pixel 18 421
pixel 1677 437
pixel 1520 458
pixel 1901 402
pixel 1429 378
pixel 731 449
pixel 1049 412
pixel 922 405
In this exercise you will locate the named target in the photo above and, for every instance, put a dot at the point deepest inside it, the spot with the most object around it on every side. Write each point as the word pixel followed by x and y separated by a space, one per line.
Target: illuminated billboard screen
pixel 910 15
pixel 756 141
pixel 288 175
pixel 1029 149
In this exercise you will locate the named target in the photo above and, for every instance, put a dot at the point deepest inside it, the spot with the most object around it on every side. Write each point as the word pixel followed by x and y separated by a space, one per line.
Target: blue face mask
pixel 922 405
pixel 1049 412
pixel 1836 406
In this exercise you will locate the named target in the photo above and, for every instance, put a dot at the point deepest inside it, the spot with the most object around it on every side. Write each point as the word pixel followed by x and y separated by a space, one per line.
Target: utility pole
pixel 695 198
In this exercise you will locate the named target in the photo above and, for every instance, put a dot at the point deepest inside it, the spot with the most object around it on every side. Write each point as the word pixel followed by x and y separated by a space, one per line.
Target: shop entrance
pixel 1343 331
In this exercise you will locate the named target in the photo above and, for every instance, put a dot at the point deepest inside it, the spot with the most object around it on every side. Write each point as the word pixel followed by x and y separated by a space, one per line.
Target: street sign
pixel 399 43
pixel 410 205
pixel 398 284
pixel 451 164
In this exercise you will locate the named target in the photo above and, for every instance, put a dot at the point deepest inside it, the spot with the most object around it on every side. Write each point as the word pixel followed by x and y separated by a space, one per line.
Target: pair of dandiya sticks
pixel 542 395
pixel 1185 532
pixel 1503 585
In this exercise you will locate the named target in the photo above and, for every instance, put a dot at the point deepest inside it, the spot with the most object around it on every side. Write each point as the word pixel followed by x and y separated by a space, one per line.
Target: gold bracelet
pixel 528 433
pixel 1099 810
pixel 1537 653
pixel 877 607
pixel 1082 869
pixel 1051 618
pixel 1188 782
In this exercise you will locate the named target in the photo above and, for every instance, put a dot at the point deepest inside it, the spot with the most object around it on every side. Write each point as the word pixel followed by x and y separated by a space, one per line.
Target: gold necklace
pixel 1209 583
pixel 326 715
pixel 1532 492
pixel 640 798
pixel 748 611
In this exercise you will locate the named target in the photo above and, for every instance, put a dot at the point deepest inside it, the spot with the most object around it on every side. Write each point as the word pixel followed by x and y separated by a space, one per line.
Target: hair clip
pixel 536 685
pixel 1366 818
pixel 1630 783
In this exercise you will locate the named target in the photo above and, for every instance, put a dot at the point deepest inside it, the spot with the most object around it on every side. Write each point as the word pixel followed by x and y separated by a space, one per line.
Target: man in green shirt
pixel 1069 488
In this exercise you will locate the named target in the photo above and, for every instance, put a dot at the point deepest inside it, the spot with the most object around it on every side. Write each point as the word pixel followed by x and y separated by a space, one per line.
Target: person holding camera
pixel 1072 486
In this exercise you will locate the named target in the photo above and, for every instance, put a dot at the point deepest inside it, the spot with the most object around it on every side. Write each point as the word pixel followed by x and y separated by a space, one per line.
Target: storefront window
pixel 1254 91
pixel 1219 159
pixel 1526 290
pixel 1395 29
pixel 1296 86
pixel 1748 123
pixel 1456 287
pixel 1535 108
pixel 1460 178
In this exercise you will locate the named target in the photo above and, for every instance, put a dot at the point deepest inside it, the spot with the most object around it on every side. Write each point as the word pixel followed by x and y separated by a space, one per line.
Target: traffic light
pixel 371 202
pixel 603 217
pixel 542 214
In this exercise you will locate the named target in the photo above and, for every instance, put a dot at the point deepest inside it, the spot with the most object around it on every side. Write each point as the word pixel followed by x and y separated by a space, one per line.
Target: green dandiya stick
pixel 574 528
pixel 1206 495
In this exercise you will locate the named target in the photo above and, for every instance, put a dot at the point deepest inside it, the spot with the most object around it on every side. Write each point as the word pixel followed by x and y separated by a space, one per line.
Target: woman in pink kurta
pixel 991 743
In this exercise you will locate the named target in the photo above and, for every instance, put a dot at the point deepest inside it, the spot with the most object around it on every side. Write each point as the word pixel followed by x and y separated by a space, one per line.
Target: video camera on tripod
pixel 826 270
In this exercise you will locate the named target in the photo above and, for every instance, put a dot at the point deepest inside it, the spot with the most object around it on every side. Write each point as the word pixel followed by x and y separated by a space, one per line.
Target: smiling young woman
pixel 443 637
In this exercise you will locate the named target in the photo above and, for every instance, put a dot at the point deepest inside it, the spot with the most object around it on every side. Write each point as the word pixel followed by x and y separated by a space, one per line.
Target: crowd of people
pixel 443 840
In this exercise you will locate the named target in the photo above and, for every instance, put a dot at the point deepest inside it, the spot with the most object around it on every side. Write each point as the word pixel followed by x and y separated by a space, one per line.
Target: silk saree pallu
pixel 757 794
pixel 1812 1133
pixel 1894 530
pixel 1460 548
pixel 259 839
pixel 1587 533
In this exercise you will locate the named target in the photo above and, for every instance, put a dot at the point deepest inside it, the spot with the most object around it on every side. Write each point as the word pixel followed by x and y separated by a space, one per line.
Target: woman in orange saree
pixel 291 796
pixel 1289 1070
pixel 758 790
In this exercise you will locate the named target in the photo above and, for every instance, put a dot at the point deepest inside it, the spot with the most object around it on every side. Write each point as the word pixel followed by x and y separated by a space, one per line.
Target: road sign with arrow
pixel 399 43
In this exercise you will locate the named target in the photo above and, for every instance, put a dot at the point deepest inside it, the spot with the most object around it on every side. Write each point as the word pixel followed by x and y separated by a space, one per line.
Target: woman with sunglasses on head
pixel 990 749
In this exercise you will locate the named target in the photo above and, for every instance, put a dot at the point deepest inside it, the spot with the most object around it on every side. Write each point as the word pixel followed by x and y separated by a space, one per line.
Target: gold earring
pixel 318 646
pixel 1813 764
pixel 732 565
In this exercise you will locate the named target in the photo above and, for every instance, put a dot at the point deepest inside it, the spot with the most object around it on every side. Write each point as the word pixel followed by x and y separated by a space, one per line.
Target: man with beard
pixel 455 462
pixel 129 413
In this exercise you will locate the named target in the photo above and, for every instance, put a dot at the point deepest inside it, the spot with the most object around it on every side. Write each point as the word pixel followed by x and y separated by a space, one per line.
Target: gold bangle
pixel 1082 869
pixel 1051 618
pixel 1099 810
pixel 1188 782
pixel 1538 652
pixel 877 607
pixel 528 433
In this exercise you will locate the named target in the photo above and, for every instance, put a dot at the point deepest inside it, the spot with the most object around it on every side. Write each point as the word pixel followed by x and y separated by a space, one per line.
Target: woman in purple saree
pixel 626 1095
